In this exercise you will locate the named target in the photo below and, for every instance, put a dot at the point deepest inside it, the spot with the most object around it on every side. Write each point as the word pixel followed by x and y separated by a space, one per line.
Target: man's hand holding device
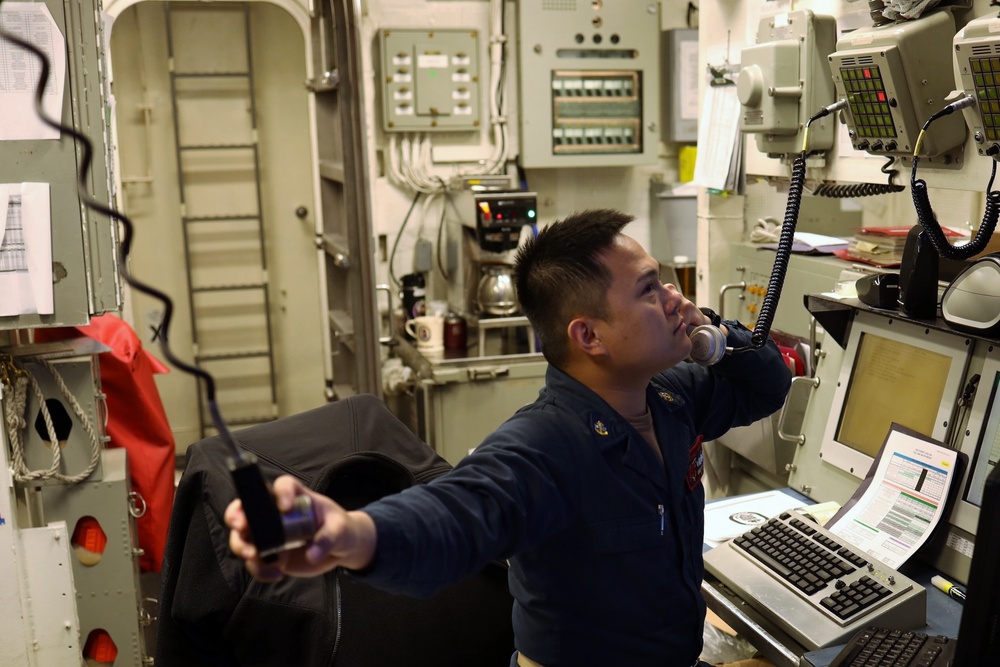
pixel 708 339
pixel 340 539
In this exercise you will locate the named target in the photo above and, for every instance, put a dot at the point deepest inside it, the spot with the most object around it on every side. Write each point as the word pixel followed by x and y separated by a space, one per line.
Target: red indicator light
pixel 881 96
pixel 867 73
pixel 100 649
pixel 89 535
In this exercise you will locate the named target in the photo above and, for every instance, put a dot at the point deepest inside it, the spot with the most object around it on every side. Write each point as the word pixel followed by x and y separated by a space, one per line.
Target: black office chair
pixel 213 613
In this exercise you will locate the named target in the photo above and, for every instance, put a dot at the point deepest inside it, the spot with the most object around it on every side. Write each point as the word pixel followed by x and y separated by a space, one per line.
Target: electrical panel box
pixel 83 272
pixel 679 77
pixel 784 80
pixel 430 80
pixel 977 56
pixel 590 80
pixel 893 78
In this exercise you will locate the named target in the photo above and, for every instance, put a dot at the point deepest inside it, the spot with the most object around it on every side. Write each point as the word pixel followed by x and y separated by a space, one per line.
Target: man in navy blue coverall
pixel 593 492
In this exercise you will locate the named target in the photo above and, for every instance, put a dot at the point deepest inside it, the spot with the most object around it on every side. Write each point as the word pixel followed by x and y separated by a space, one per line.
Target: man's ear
pixel 584 337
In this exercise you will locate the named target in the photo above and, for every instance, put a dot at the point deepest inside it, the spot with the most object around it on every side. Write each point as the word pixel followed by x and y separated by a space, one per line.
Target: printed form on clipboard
pixel 901 499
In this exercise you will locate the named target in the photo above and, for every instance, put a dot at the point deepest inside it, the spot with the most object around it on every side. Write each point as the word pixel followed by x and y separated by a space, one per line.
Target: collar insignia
pixel 667 397
pixel 600 428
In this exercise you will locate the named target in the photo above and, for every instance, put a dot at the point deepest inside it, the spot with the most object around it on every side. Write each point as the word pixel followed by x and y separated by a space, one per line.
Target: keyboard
pixel 882 647
pixel 812 585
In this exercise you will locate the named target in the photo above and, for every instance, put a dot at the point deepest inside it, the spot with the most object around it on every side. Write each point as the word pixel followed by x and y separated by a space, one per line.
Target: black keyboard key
pixel 769 561
pixel 880 647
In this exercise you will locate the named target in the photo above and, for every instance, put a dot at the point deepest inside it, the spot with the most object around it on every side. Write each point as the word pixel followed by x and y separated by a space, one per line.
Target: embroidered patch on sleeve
pixel 696 464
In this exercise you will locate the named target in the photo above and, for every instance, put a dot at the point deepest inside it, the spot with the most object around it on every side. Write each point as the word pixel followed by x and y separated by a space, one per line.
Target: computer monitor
pixel 980 442
pixel 893 371
pixel 985 420
pixel 979 630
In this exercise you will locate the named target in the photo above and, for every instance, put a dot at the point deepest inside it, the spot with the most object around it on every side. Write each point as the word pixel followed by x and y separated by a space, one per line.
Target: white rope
pixel 14 418
pixel 766 230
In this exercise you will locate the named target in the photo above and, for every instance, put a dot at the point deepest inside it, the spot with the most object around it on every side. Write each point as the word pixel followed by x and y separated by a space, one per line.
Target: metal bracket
pixel 488 372
pixel 799 439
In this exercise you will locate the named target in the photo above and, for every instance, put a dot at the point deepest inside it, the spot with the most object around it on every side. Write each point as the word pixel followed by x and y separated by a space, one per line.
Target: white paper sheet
pixel 19 71
pixel 813 243
pixel 25 250
pixel 729 517
pixel 718 139
pixel 904 501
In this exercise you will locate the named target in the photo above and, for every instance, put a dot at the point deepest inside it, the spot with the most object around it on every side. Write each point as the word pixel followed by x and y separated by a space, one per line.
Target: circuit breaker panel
pixel 430 80
pixel 590 82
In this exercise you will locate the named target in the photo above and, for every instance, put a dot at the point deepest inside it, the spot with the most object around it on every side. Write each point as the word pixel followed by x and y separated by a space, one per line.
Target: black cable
pixel 783 253
pixel 852 190
pixel 399 234
pixel 440 237
pixel 930 227
pixel 691 9
pixel 126 242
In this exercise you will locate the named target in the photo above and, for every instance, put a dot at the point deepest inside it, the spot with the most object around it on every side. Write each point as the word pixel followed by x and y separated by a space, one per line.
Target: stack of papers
pixel 882 246
pixel 719 164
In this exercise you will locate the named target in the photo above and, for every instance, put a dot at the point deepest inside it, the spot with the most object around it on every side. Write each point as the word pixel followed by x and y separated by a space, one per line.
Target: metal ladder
pixel 218 173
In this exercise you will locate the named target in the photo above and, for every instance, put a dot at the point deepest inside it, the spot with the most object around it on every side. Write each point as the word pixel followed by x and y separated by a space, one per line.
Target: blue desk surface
pixel 943 612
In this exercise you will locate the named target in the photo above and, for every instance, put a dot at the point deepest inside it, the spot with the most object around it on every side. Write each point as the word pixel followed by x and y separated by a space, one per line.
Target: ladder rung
pixel 223 356
pixel 216 147
pixel 229 288
pixel 208 75
pixel 221 218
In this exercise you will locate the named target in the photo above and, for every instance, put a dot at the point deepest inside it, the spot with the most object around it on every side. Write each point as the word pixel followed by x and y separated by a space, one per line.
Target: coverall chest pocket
pixel 634 533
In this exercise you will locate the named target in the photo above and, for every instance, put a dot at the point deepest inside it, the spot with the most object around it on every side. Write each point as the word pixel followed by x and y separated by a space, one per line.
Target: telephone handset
pixel 708 343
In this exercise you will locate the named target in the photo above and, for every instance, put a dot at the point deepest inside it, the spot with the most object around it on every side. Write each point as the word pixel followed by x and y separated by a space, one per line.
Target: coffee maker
pixel 500 217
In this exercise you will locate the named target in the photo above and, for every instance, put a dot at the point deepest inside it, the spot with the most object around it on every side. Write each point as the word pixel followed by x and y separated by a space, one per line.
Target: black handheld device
pixel 272 531
pixel 918 276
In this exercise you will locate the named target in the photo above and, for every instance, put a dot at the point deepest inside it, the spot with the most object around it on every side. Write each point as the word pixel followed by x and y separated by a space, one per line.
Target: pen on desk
pixel 951 589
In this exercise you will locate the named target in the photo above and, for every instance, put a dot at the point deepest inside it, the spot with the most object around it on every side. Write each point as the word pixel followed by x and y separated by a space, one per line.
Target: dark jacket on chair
pixel 211 612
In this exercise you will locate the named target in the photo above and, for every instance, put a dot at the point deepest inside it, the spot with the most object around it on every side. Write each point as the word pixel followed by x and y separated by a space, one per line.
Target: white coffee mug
pixel 428 331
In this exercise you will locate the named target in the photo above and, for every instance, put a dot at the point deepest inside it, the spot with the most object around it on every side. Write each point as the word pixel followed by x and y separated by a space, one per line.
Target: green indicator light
pixel 531 213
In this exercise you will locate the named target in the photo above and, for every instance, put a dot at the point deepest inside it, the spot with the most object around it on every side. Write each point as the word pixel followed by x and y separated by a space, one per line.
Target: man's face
pixel 645 332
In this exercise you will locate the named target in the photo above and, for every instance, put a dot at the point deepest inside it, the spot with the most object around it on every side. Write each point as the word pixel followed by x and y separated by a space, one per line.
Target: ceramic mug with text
pixel 427 331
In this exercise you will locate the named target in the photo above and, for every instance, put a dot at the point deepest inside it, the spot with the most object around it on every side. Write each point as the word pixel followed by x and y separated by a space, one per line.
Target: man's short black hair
pixel 559 275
